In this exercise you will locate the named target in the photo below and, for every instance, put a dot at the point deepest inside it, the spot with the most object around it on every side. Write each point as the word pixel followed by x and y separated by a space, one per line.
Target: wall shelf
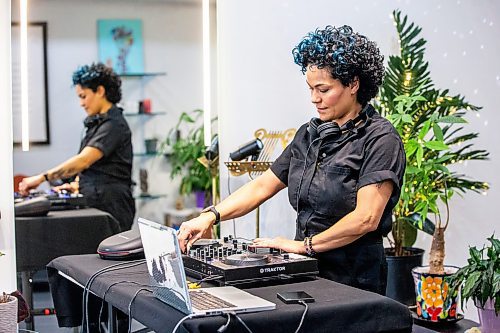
pixel 150 196
pixel 143 74
pixel 151 154
pixel 137 114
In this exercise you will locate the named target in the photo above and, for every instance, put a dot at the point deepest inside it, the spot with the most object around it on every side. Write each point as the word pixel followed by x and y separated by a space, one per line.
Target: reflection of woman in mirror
pixel 344 169
pixel 104 162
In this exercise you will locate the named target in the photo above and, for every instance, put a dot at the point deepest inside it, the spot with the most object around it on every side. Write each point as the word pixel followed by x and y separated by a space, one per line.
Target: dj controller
pixel 58 200
pixel 235 262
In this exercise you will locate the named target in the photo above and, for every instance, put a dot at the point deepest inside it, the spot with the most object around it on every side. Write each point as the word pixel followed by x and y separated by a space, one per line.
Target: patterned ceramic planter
pixel 434 303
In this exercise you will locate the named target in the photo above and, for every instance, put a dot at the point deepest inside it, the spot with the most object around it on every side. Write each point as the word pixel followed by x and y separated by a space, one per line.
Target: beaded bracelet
pixel 308 245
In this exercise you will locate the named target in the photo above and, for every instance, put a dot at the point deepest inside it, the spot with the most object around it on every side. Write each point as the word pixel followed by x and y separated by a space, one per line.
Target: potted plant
pixel 8 311
pixel 185 145
pixel 430 123
pixel 479 280
pixel 151 145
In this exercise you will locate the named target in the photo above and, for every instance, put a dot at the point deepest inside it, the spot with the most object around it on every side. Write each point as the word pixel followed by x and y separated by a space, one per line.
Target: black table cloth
pixel 337 308
pixel 42 238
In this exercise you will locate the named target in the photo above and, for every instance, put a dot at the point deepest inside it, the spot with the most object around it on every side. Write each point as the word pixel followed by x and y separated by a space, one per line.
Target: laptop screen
pixel 165 267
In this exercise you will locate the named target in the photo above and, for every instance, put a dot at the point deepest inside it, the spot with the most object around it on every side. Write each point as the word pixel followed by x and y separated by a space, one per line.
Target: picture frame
pixel 38 100
pixel 121 45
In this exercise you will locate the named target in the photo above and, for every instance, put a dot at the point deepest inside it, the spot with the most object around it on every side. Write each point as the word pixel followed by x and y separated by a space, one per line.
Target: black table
pixel 43 238
pixel 338 308
pixel 458 327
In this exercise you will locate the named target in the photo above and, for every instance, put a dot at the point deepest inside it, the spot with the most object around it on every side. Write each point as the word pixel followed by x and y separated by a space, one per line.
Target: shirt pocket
pixel 295 174
pixel 333 190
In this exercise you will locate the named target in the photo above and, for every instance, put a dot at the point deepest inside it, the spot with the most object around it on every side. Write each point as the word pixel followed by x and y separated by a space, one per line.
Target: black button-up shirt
pixel 110 134
pixel 324 175
pixel 106 184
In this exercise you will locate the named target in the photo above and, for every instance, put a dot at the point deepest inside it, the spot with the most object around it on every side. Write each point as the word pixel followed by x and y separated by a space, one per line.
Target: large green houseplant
pixel 185 146
pixel 431 124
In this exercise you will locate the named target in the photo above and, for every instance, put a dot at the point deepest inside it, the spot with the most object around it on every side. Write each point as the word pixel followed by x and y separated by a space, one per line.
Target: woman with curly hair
pixel 104 162
pixel 344 168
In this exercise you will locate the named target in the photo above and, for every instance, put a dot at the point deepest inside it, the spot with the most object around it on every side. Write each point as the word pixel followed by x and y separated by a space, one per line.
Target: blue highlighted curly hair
pixel 347 55
pixel 97 74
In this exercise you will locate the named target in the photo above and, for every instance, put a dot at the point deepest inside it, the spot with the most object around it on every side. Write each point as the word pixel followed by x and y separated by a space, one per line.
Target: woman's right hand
pixel 30 183
pixel 192 230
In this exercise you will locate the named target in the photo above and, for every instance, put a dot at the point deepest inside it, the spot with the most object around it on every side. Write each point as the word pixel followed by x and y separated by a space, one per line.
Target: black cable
pixel 86 288
pixel 87 284
pixel 114 284
pixel 303 315
pixel 303 172
pixel 100 272
pixel 130 307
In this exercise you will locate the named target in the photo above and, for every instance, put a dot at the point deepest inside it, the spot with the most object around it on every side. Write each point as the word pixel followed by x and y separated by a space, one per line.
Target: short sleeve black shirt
pixel 110 134
pixel 324 175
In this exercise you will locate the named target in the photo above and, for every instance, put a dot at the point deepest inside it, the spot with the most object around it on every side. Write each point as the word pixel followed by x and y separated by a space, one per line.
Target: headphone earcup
pixel 311 129
pixel 95 120
pixel 318 128
pixel 329 129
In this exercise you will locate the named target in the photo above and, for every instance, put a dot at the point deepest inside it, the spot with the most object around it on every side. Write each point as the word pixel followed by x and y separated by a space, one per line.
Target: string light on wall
pixel 24 75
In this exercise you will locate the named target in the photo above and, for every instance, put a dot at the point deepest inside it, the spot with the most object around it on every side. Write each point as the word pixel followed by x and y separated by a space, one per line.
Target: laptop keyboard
pixel 204 301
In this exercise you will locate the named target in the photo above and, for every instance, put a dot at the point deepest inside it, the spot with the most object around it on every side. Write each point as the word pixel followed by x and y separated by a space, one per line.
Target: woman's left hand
pixel 286 245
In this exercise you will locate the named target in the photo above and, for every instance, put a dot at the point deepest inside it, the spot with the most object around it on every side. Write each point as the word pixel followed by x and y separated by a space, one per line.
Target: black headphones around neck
pixel 97 119
pixel 323 129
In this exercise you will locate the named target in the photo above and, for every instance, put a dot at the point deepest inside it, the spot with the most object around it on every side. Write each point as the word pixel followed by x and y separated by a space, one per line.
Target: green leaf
pixel 436 145
pixel 411 147
pixel 412 170
pixel 406 118
pixel 438 133
pixel 496 283
pixel 426 225
pixel 425 129
pixel 420 155
pixel 496 244
pixel 451 120
pixel 475 254
pixel 471 282
pixel 401 98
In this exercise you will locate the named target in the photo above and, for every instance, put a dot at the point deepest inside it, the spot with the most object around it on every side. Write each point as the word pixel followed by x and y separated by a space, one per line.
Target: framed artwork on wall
pixel 38 101
pixel 121 45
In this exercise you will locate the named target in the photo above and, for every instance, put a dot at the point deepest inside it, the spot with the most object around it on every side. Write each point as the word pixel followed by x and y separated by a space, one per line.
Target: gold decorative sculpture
pixel 255 168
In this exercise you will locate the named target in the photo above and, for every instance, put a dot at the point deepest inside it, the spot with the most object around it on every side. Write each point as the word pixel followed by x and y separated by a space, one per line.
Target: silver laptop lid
pixel 165 267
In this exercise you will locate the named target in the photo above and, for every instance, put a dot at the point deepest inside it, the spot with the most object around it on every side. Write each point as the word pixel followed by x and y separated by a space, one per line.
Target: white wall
pixel 260 86
pixel 7 226
pixel 172 33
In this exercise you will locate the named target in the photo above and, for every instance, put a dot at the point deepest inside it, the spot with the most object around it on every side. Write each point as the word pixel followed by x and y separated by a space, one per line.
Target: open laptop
pixel 166 269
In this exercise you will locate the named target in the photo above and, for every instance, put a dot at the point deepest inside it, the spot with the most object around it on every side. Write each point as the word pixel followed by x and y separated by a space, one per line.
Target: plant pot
pixel 490 322
pixel 400 285
pixel 434 302
pixel 8 316
pixel 202 199
pixel 151 145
